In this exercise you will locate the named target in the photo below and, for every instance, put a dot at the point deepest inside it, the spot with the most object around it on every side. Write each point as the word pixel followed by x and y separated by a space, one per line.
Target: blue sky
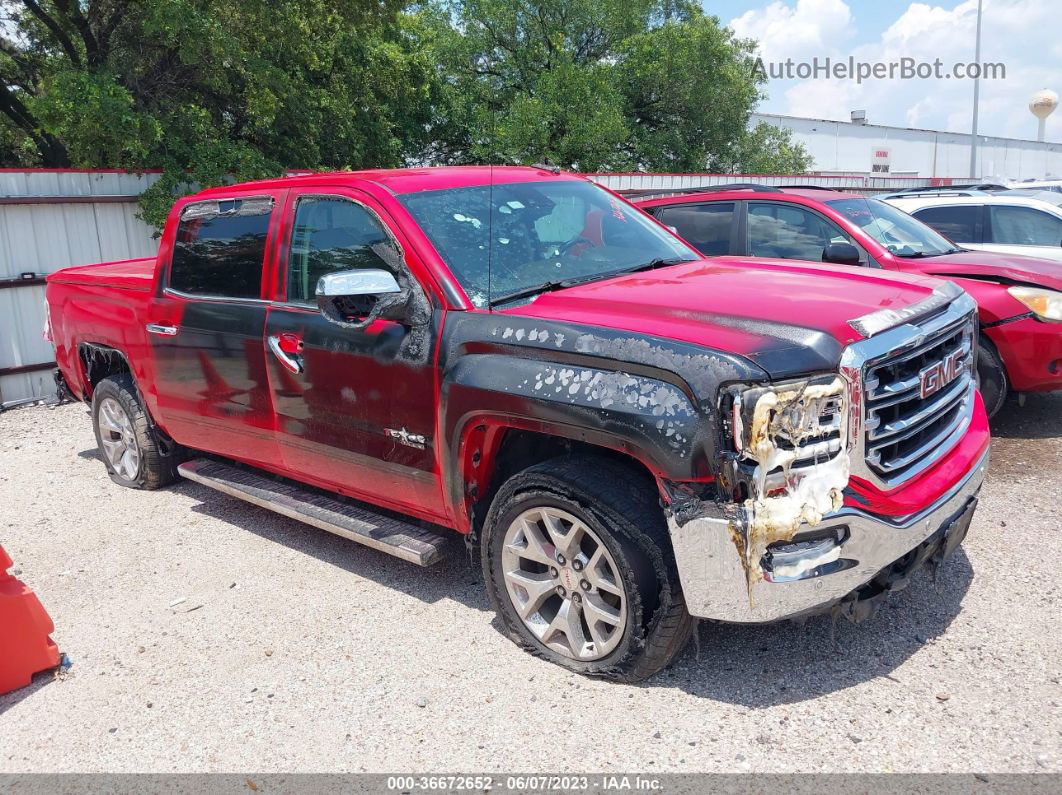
pixel 1020 34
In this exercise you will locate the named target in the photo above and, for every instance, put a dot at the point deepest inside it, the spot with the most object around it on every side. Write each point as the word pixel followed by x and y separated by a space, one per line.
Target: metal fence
pixel 52 219
pixel 856 183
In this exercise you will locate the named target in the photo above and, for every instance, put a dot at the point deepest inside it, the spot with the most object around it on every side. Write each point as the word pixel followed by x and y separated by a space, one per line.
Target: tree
pixel 594 85
pixel 209 89
pixel 769 150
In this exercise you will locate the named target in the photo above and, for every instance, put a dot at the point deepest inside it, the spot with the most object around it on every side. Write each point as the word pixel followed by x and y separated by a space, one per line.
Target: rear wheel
pixel 579 568
pixel 991 376
pixel 130 447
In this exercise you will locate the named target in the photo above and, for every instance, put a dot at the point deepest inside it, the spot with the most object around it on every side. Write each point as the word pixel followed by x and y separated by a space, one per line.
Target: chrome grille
pixel 906 425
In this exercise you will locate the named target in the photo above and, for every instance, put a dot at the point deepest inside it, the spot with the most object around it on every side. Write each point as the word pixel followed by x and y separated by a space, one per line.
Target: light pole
pixel 977 94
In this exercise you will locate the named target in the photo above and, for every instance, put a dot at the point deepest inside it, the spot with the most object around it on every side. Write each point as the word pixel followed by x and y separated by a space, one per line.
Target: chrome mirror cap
pixel 371 281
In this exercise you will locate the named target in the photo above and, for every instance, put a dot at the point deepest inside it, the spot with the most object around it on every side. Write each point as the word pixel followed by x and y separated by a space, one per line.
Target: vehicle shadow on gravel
pixel 1039 418
pixel 454 577
pixel 774 664
pixel 40 680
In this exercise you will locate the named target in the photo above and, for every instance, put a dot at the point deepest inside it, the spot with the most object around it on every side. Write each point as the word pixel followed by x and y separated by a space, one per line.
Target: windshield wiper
pixel 659 262
pixel 546 287
pixel 925 254
pixel 526 292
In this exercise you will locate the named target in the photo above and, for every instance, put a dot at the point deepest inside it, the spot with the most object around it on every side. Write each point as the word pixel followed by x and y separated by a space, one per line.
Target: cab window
pixel 330 234
pixel 220 247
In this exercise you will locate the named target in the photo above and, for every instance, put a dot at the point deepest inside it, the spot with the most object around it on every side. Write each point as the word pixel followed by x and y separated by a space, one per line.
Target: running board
pixel 394 536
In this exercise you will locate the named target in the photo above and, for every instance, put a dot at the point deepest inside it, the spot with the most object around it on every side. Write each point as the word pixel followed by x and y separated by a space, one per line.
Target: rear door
pixel 355 408
pixel 206 329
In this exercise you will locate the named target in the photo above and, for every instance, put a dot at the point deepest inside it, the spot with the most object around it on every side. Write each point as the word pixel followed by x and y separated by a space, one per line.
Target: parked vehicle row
pixel 630 434
pixel 1021 222
pixel 1019 298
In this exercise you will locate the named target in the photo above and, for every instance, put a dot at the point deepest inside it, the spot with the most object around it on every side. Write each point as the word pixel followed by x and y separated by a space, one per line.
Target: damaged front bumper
pixel 822 567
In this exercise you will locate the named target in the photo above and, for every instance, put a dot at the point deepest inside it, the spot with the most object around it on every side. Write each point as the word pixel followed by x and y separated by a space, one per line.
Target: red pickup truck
pixel 629 435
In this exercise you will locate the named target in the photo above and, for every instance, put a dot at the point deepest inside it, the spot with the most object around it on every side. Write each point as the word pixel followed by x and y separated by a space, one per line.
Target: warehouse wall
pixel 843 146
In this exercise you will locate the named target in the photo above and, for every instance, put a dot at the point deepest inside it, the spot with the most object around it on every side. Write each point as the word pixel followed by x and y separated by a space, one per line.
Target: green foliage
pixel 769 150
pixel 211 90
pixel 592 85
pixel 95 117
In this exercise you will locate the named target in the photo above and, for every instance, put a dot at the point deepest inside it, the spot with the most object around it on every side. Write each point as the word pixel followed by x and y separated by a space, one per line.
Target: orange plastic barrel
pixel 25 645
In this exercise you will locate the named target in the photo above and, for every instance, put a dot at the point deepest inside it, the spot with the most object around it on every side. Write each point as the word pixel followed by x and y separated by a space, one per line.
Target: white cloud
pixel 1022 34
pixel 805 30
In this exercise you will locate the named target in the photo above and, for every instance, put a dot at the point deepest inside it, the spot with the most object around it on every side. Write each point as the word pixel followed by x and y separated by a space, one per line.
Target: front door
pixel 355 407
pixel 206 328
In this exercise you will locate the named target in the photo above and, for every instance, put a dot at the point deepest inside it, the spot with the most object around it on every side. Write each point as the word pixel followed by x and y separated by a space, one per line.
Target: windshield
pixel 511 238
pixel 901 234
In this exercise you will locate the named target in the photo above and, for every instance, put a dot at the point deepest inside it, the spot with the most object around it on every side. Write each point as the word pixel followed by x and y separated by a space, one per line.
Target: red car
pixel 1019 298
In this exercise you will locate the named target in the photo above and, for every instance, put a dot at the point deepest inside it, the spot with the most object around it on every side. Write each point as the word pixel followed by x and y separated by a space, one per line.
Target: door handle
pixel 290 361
pixel 165 331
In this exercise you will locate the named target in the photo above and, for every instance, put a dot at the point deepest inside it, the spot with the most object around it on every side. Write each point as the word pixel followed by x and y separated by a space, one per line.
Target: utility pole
pixel 977 94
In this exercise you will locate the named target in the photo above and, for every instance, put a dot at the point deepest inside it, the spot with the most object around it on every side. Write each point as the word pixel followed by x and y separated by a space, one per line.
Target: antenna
pixel 490 237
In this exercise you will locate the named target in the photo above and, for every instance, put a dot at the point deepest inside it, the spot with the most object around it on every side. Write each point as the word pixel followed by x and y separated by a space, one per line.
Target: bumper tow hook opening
pixel 797 560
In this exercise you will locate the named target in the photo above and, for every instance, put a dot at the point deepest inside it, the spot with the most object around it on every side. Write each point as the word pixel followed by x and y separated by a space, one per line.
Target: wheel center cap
pixel 570 579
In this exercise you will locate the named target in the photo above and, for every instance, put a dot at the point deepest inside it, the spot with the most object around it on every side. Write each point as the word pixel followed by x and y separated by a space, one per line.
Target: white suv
pixel 1010 222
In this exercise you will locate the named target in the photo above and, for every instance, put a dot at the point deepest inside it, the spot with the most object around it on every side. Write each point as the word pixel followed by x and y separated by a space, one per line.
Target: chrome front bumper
pixel 716 585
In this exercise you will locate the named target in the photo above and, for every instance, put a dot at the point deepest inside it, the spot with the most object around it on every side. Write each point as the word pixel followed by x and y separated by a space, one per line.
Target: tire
pixel 128 444
pixel 991 376
pixel 616 508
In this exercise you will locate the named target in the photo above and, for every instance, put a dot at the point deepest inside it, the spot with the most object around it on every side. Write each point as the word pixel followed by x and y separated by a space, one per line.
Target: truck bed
pixel 129 274
pixel 103 305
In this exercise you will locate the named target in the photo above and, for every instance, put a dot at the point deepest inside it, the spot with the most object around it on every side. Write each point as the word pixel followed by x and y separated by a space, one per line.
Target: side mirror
pixel 841 254
pixel 357 298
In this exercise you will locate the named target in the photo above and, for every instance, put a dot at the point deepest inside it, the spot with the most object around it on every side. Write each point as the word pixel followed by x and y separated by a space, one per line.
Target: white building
pixel 857 148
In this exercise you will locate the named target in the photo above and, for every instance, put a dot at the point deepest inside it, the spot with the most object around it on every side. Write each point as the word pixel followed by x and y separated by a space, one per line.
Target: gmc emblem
pixel 939 374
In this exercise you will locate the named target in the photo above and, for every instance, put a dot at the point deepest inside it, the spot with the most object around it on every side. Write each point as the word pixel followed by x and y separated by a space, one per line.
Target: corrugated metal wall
pixel 664 182
pixel 51 220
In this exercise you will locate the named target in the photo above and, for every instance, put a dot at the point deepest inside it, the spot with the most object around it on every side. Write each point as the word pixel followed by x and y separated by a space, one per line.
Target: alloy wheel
pixel 118 439
pixel 564 584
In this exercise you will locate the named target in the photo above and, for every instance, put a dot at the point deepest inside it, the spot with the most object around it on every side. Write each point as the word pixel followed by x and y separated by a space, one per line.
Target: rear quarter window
pixel 1024 226
pixel 219 249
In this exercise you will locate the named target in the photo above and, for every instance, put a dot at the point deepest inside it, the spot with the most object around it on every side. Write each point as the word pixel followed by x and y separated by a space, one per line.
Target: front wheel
pixel 579 569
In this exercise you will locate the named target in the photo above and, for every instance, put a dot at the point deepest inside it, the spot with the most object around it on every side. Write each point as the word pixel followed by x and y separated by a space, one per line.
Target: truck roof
pixel 409 180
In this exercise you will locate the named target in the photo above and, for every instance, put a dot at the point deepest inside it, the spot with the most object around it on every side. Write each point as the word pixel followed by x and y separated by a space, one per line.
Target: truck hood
pixel 993 266
pixel 788 317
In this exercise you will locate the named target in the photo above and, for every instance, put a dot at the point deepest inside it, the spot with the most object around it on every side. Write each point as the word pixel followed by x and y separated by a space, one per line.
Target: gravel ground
pixel 294 650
